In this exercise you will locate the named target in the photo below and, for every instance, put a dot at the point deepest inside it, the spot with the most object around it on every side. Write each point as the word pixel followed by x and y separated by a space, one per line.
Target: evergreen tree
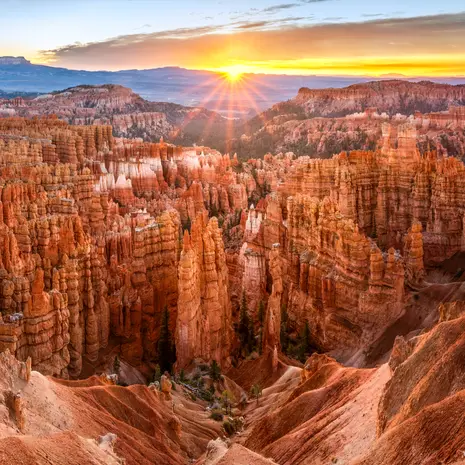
pixel 304 343
pixel 187 225
pixel 261 322
pixel 256 391
pixel 261 312
pixel 244 324
pixel 284 336
pixel 251 342
pixel 116 365
pixel 227 399
pixel 166 349
pixel 156 374
pixel 215 371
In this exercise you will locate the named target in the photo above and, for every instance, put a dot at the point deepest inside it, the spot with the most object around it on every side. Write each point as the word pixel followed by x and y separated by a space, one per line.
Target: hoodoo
pixel 215 284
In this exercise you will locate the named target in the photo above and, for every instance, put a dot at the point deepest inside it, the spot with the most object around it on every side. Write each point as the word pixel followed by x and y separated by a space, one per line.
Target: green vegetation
pixel 304 343
pixel 245 329
pixel 116 365
pixel 229 428
pixel 156 374
pixel 215 371
pixel 256 391
pixel 216 415
pixel 284 335
pixel 299 347
pixel 227 399
pixel 166 348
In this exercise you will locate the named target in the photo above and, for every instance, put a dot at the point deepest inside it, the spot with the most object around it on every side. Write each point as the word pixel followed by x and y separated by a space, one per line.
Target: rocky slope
pixel 321 122
pixel 409 410
pixel 44 421
pixel 128 113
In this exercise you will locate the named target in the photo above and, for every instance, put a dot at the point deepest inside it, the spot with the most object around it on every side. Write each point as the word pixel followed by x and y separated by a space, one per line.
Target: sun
pixel 233 73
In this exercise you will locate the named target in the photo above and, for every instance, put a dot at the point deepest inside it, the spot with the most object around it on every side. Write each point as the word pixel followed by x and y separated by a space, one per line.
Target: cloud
pixel 273 9
pixel 266 24
pixel 435 43
pixel 374 15
pixel 283 6
pixel 253 25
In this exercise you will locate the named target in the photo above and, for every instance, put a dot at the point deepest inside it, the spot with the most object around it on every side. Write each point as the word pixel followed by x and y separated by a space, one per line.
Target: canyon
pixel 330 287
pixel 321 122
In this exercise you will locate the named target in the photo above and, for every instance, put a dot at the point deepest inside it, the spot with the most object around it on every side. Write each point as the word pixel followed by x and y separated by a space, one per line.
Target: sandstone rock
pixel 203 328
pixel 165 384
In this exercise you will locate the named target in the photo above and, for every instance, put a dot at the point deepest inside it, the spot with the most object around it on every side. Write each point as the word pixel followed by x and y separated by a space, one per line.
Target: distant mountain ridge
pixel 14 61
pixel 129 114
pixel 173 84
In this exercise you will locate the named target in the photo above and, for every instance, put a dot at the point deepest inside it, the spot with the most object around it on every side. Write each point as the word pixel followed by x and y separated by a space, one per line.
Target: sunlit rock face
pixel 204 321
pixel 91 238
pixel 389 96
pixel 354 230
pixel 93 229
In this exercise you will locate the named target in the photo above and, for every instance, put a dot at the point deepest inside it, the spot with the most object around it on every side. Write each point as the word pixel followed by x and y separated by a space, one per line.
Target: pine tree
pixel 251 336
pixel 261 312
pixel 156 374
pixel 261 322
pixel 256 391
pixel 304 343
pixel 227 399
pixel 244 323
pixel 166 349
pixel 215 371
pixel 116 365
pixel 187 225
pixel 284 336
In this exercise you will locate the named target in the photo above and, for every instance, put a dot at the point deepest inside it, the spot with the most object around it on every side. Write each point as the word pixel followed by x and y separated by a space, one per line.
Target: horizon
pixel 297 38
pixel 388 76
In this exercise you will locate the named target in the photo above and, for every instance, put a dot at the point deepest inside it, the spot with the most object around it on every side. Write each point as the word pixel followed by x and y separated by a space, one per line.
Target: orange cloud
pixel 432 45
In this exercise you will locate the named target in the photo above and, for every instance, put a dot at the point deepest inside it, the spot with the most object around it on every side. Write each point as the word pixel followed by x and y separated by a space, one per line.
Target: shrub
pixel 217 416
pixel 256 391
pixel 156 374
pixel 229 428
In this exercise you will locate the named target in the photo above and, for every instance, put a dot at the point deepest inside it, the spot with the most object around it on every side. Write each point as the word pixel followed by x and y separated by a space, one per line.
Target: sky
pixel 322 37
